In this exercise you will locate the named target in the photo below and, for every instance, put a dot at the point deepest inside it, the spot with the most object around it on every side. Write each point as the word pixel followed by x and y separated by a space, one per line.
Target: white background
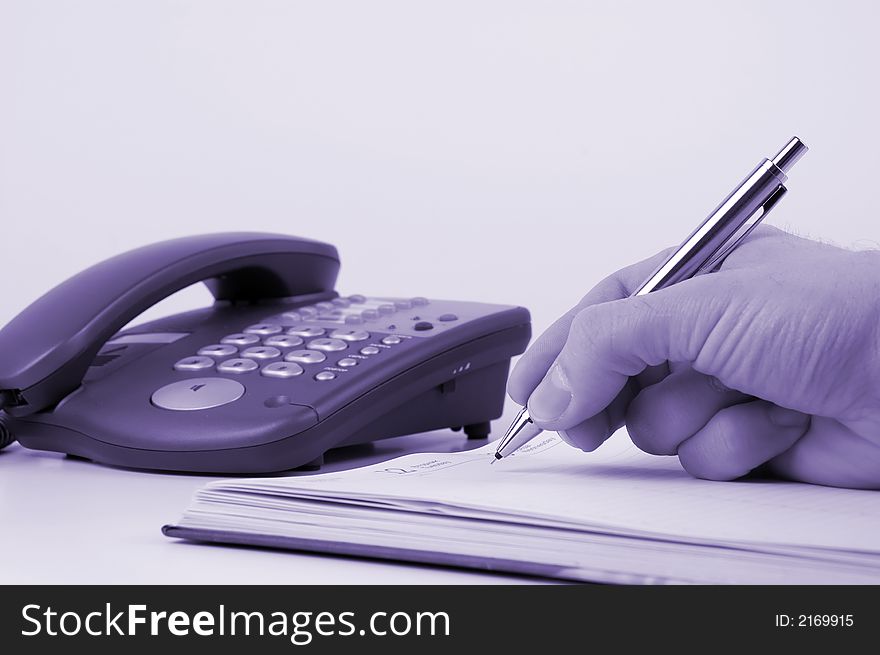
pixel 512 152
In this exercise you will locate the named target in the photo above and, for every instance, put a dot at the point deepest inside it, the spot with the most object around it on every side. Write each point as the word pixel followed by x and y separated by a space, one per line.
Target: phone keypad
pixel 277 345
pixel 285 345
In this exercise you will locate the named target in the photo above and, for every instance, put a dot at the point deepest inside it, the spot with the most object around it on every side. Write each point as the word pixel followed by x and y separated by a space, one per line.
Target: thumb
pixel 533 365
pixel 610 342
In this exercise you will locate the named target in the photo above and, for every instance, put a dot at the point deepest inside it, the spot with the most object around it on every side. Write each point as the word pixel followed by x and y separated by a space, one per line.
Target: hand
pixel 773 360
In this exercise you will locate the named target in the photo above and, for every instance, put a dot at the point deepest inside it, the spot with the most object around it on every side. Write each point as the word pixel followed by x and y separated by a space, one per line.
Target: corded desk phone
pixel 276 372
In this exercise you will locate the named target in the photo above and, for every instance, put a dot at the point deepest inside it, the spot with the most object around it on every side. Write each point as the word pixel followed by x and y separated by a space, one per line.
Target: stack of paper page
pixel 615 515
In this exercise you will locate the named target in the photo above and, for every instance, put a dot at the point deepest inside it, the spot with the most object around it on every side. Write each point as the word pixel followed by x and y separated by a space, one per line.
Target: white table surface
pixel 64 520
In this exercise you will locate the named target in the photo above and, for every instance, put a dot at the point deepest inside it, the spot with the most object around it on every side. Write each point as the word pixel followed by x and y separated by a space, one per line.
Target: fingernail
pixel 552 397
pixel 787 418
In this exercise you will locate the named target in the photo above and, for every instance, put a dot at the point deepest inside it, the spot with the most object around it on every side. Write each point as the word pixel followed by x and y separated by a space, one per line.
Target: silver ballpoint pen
pixel 702 252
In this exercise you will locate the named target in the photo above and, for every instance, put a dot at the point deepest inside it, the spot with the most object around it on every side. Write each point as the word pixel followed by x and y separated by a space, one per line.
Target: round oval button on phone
pixel 240 339
pixel 261 352
pixel 350 335
pixel 218 350
pixel 283 341
pixel 307 331
pixel 282 370
pixel 194 364
pixel 197 393
pixel 237 365
pixel 327 345
pixel 305 357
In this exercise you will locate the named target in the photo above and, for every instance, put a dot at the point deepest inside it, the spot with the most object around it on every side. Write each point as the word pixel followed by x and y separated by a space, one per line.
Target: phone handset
pixel 46 350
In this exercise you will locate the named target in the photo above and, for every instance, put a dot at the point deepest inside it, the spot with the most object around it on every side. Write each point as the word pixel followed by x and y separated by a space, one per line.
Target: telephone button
pixel 282 370
pixel 403 304
pixel 341 302
pixel 240 339
pixel 282 341
pixel 350 335
pixel 218 350
pixel 386 308
pixel 325 306
pixel 293 317
pixel 446 318
pixel 357 298
pixel 264 329
pixel 261 352
pixel 237 365
pixel 324 376
pixel 194 364
pixel 392 340
pixel 422 326
pixel 327 345
pixel 347 362
pixel 370 350
pixel 305 357
pixel 197 393
pixel 369 314
pixel 354 319
pixel 307 331
pixel 418 301
pixel 308 312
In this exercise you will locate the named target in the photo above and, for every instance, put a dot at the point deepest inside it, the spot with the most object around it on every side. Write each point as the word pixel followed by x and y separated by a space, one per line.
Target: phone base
pixel 475 398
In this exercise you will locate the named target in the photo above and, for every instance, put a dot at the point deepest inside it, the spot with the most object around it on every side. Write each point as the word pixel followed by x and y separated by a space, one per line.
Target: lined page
pixel 617 489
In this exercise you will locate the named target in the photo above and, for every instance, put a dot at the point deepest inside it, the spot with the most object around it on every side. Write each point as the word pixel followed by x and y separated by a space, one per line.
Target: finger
pixel 667 413
pixel 592 433
pixel 741 438
pixel 831 454
pixel 533 365
pixel 652 375
pixel 610 342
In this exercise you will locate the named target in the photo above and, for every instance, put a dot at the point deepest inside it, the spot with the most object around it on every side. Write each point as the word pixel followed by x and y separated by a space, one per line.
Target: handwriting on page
pixel 483 455
pixel 432 465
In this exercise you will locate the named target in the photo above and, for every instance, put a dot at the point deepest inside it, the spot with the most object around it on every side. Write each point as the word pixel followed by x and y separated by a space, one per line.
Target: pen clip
pixel 718 257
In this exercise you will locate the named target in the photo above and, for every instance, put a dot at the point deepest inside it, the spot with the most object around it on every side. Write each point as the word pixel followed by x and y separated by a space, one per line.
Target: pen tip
pixel 497 456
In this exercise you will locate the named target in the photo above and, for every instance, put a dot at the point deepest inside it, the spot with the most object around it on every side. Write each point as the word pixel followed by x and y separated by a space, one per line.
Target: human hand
pixel 771 360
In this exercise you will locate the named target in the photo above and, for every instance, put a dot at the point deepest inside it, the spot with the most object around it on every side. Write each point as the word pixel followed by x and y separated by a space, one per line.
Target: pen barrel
pixel 790 154
pixel 730 221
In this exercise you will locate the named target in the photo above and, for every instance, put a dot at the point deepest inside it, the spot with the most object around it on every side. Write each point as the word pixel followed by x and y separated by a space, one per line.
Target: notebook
pixel 616 515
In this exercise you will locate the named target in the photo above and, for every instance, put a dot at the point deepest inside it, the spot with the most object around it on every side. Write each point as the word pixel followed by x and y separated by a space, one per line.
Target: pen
pixel 702 252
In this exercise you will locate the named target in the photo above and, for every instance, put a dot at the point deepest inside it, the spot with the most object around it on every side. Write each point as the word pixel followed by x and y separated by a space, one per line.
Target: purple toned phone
pixel 276 372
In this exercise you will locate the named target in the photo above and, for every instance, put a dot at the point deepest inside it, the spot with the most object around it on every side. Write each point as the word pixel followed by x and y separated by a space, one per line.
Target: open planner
pixel 615 515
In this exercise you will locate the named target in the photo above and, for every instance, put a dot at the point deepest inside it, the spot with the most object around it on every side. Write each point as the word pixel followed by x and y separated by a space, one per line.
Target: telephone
pixel 280 368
